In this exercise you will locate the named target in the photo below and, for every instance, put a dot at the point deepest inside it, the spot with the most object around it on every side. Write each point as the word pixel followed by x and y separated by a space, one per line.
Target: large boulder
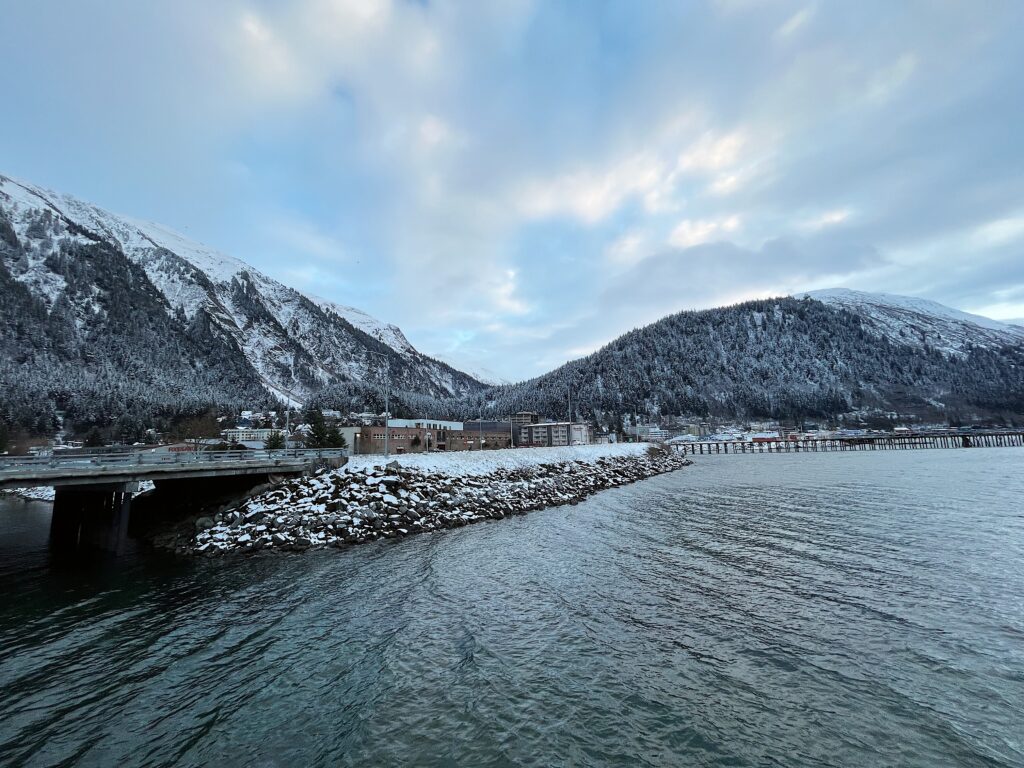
pixel 204 524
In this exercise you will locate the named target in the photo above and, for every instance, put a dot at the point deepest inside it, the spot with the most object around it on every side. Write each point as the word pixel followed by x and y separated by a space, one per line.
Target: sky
pixel 517 183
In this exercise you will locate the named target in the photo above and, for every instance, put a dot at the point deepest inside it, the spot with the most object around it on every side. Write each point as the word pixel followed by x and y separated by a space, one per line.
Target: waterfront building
pixel 554 433
pixel 403 439
pixel 432 424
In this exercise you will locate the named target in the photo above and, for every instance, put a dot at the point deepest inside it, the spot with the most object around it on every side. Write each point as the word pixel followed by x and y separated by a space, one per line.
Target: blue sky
pixel 517 183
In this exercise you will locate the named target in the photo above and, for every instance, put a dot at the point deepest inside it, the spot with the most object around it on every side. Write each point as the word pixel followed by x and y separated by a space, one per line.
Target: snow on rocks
pixel 364 501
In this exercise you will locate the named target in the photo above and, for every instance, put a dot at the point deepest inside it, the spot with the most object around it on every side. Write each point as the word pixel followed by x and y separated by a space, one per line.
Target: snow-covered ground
pixel 472 463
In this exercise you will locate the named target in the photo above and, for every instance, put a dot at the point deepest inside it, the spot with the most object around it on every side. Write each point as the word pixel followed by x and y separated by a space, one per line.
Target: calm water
pixel 830 609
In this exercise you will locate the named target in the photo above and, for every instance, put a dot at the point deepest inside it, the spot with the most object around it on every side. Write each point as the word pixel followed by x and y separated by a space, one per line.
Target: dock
pixel 907 442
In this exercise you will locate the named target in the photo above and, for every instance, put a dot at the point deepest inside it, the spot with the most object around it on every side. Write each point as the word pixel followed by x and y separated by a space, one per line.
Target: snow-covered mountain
pixel 104 317
pixel 292 342
pixel 921 322
pixel 825 354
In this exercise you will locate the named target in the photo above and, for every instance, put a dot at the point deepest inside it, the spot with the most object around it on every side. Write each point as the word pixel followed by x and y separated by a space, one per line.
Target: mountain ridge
pixel 217 332
pixel 920 321
pixel 791 357
pixel 293 345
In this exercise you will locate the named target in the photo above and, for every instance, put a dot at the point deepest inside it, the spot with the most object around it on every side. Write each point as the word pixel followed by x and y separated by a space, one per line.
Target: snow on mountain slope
pixel 485 375
pixel 389 334
pixel 919 322
pixel 295 343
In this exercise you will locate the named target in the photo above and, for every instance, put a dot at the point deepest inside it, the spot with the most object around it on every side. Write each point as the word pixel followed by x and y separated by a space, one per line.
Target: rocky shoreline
pixel 354 505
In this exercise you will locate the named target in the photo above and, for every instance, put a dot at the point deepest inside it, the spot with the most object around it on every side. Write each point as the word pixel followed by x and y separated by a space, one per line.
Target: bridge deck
pixel 96 469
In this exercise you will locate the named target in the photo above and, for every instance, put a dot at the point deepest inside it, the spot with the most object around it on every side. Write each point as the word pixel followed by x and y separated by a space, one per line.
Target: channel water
pixel 852 609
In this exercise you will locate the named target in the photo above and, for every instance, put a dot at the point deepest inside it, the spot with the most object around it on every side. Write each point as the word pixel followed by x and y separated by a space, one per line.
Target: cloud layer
pixel 517 183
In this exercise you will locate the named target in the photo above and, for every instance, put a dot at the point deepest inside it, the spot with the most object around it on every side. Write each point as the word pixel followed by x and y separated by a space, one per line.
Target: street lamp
pixel 288 414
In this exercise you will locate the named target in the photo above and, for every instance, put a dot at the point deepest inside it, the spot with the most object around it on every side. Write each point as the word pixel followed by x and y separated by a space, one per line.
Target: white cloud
pixel 1000 231
pixel 691 232
pixel 725 184
pixel 297 234
pixel 443 132
pixel 433 131
pixel 655 175
pixel 503 294
pixel 712 152
pixel 884 84
pixel 592 195
pixel 827 219
pixel 796 22
pixel 627 249
pixel 309 276
pixel 1007 312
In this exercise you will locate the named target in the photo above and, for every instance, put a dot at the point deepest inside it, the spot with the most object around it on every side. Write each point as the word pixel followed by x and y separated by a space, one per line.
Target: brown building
pixel 471 439
pixel 419 440
pixel 525 417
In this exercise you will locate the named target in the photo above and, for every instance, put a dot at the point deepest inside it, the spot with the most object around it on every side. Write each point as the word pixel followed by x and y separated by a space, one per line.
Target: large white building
pixel 244 434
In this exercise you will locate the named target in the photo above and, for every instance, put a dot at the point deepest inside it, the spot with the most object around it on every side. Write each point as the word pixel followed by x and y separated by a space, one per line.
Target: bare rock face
pixel 344 506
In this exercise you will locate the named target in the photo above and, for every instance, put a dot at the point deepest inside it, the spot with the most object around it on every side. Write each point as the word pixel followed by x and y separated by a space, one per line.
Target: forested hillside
pixel 774 358
pixel 127 325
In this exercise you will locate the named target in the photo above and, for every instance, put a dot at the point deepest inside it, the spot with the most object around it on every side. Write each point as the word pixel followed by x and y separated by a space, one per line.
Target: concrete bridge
pixel 94 491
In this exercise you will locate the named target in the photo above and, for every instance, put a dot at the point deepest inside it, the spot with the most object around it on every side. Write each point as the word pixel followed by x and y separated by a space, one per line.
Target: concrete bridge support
pixel 91 517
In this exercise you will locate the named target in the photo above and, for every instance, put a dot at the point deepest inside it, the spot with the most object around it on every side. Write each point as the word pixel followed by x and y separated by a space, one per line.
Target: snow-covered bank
pixel 44 493
pixel 47 493
pixel 475 463
pixel 366 500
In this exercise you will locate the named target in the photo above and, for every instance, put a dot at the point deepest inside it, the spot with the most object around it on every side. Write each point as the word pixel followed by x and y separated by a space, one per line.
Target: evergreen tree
pixel 319 435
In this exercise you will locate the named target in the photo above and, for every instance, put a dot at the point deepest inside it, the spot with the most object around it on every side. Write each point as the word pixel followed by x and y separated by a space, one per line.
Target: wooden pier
pixel 908 442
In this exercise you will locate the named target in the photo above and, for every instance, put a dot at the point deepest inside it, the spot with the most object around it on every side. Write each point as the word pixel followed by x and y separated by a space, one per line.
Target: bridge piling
pixel 91 517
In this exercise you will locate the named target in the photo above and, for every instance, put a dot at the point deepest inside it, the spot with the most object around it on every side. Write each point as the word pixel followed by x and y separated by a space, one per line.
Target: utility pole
pixel 387 402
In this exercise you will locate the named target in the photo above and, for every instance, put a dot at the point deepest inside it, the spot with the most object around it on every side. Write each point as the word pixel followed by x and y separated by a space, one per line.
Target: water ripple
pixel 821 609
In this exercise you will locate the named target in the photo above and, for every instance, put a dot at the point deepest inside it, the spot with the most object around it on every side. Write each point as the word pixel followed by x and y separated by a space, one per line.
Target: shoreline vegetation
pixel 370 499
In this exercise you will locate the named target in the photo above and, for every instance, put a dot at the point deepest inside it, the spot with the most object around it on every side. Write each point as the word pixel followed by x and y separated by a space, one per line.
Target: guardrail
pixel 9 464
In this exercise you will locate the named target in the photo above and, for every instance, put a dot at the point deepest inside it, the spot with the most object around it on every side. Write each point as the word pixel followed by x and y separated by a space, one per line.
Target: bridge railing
pixel 156 457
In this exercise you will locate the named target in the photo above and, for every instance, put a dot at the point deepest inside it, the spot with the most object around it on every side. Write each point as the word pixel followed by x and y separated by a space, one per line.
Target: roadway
pixel 81 468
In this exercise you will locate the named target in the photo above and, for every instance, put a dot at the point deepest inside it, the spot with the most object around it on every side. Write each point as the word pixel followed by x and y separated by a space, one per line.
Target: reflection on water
pixel 829 609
